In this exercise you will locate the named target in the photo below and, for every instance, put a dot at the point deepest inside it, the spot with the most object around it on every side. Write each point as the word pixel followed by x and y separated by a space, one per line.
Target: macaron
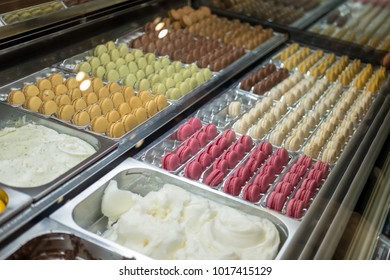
pixel 184 153
pixel 170 162
pixel 322 166
pixel 233 185
pixel 201 136
pixel 204 159
pixel 267 169
pixel 231 157
pixel 299 169
pixel 294 208
pixel 309 184
pixel 264 181
pixel 305 160
pixel 193 170
pixel 161 102
pixel 116 129
pixel 242 172
pixel 184 131
pixel 234 108
pixel 213 150
pixel 222 142
pixel 304 194
pixel 276 201
pixel 48 107
pixel 94 111
pixel 293 178
pixel 140 114
pixel 316 174
pixel 129 121
pixel 16 97
pixel 230 135
pixel 252 164
pixel 282 152
pixel 210 130
pixel 246 141
pixel 251 192
pixel 266 147
pixel 258 155
pixel 284 187
pixel 65 112
pixel 194 144
pixel 195 123
pixel 214 178
pixel 239 149
pixel 221 164
pixel 99 124
pixel 276 162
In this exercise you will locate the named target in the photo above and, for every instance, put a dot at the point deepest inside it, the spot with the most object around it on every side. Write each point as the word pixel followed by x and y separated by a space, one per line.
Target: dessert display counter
pixel 185 107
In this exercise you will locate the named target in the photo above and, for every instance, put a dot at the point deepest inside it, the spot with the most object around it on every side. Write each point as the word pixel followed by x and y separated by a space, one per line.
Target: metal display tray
pixel 11 116
pixel 49 240
pixel 17 201
pixel 83 213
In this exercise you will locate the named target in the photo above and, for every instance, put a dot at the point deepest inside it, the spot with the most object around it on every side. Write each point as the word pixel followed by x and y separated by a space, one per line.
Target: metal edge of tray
pixel 48 226
pixel 64 215
pixel 331 196
pixel 312 15
pixel 17 201
pixel 102 146
pixel 127 143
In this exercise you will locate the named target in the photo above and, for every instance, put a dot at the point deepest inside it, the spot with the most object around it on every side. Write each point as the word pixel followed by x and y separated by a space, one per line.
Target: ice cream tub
pixel 49 240
pixel 85 212
pixel 40 154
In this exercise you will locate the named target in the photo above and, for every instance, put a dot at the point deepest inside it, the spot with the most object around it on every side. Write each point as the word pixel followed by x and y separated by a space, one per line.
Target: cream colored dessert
pixel 33 155
pixel 174 224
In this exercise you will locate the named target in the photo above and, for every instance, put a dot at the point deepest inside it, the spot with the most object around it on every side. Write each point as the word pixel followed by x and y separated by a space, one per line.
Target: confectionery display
pixel 88 102
pixel 32 12
pixel 281 11
pixel 359 22
pixel 190 132
pixel 23 147
pixel 172 223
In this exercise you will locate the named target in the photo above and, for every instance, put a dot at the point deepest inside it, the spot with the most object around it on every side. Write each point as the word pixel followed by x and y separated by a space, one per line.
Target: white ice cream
pixel 175 224
pixel 33 155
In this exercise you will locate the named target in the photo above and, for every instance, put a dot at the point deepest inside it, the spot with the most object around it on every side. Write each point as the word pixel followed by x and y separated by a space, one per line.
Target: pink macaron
pixel 265 147
pixel 276 200
pixel 184 131
pixel 170 161
pixel 284 187
pixel 316 174
pixel 324 167
pixel 201 136
pixel 204 159
pixel 233 185
pixel 264 181
pixel 251 193
pixel 267 169
pixel 194 145
pixel 298 169
pixel 309 184
pixel 282 152
pixel 294 208
pixel 252 164
pixel 242 172
pixel 293 178
pixel 214 151
pixel 246 141
pixel 214 178
pixel 304 194
pixel 195 123
pixel 193 170
pixel 276 162
pixel 239 149
pixel 210 130
pixel 221 164
pixel 231 157
pixel 230 135
pixel 222 142
pixel 258 155
pixel 184 153
pixel 304 160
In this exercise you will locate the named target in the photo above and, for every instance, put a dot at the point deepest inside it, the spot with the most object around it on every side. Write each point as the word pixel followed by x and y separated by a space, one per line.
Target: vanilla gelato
pixel 174 224
pixel 33 155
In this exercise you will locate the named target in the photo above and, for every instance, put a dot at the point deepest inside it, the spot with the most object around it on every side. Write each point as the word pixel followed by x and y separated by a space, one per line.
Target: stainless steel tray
pixel 11 116
pixel 17 201
pixel 49 240
pixel 83 213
